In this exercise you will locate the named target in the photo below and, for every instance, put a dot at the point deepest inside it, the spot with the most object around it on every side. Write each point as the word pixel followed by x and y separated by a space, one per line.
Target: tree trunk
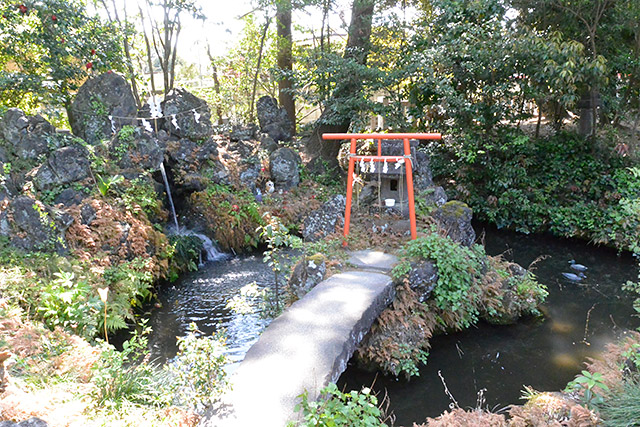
pixel 148 46
pixel 357 50
pixel 285 61
pixel 216 84
pixel 255 80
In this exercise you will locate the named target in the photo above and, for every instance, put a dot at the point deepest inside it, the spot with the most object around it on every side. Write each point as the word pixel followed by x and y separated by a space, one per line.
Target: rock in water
pixel 306 274
pixel 274 121
pixel 108 94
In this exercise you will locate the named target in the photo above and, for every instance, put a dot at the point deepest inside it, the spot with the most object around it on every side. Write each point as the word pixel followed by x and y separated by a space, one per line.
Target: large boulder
pixel 35 227
pixel 26 135
pixel 284 168
pixel 273 121
pixel 192 115
pixel 433 196
pixel 108 94
pixel 242 132
pixel 64 166
pixel 136 151
pixel 322 222
pixel 454 218
pixel 194 166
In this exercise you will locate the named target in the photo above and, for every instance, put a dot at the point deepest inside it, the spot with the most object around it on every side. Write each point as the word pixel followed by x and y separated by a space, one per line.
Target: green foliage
pixel 621 408
pixel 588 383
pixel 124 142
pixel 70 304
pixel 237 71
pixel 254 298
pixel 48 48
pixel 195 379
pixel 185 254
pixel 462 65
pixel 198 375
pixel 127 376
pixel 105 184
pixel 341 409
pixel 131 283
pixel 409 359
pixel 140 192
pixel 558 184
pixel 277 237
pixel 459 268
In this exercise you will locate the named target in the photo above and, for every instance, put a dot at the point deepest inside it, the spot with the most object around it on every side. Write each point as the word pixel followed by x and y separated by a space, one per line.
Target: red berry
pixel 93 51
pixel 236 208
pixel 62 40
pixel 54 18
pixel 109 72
pixel 89 65
pixel 23 9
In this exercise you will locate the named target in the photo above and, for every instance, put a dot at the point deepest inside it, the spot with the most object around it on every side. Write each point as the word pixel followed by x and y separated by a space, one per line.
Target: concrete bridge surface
pixel 305 348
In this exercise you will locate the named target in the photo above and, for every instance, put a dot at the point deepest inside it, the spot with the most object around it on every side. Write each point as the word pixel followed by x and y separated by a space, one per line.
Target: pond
pixel 580 319
pixel 201 297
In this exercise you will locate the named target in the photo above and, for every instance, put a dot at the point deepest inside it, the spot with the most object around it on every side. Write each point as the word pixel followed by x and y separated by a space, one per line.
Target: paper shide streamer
pixel 147 125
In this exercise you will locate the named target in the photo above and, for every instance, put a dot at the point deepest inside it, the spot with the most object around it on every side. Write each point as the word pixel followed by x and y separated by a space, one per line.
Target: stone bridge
pixel 307 347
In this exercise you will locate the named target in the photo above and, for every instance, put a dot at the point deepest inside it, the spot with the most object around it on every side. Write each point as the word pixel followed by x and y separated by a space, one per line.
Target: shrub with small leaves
pixel 199 379
pixel 341 409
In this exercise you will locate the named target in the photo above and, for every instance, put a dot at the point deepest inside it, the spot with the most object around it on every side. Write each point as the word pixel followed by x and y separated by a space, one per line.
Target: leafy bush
pixel 131 283
pixel 69 304
pixel 140 194
pixel 186 254
pixel 127 376
pixel 591 386
pixel 231 216
pixel 197 373
pixel 341 409
pixel 561 184
pixel 459 268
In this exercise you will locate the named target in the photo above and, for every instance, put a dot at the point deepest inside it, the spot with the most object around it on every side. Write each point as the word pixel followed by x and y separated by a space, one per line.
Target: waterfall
pixel 166 185
pixel 212 253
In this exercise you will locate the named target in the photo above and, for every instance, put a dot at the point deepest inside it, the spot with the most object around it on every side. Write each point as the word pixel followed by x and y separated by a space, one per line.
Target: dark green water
pixel 542 353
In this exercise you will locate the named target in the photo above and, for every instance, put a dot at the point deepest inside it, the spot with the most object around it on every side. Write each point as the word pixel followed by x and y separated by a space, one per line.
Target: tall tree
pixel 285 60
pixel 165 34
pixel 335 118
pixel 125 28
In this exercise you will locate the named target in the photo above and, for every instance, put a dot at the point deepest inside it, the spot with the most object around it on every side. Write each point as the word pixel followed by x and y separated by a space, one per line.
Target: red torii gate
pixel 353 157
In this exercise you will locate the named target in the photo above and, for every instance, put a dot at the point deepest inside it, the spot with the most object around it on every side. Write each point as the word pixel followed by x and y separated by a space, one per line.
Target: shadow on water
pixel 542 353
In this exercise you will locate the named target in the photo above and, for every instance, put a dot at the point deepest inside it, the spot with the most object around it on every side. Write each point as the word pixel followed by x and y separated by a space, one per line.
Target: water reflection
pixel 580 319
